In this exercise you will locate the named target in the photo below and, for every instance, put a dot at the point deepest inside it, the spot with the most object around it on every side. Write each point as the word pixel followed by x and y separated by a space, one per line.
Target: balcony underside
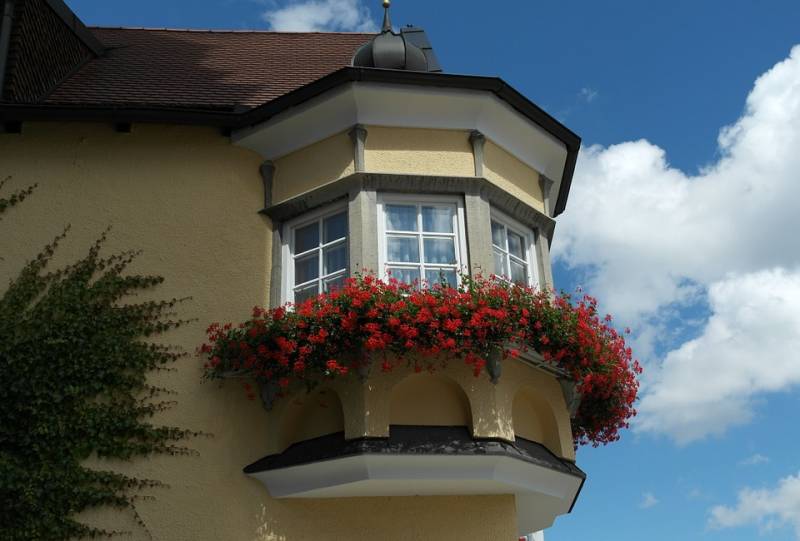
pixel 426 461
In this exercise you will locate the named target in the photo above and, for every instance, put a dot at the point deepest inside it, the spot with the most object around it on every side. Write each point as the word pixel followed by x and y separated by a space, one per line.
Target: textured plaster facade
pixel 405 151
pixel 508 172
pixel 313 166
pixel 418 151
pixel 189 200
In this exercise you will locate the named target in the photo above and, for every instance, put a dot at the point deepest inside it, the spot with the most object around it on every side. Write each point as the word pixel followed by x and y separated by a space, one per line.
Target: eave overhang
pixel 426 461
pixel 233 119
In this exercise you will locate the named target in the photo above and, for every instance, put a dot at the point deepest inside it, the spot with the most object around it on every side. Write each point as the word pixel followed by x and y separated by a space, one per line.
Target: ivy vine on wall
pixel 75 354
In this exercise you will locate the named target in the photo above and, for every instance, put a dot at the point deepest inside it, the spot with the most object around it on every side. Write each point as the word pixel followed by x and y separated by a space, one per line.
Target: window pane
pixel 408 276
pixel 335 258
pixel 307 292
pixel 519 273
pixel 498 234
pixel 516 245
pixel 437 219
pixel 440 251
pixel 306 268
pixel 401 217
pixel 437 276
pixel 335 227
pixel 500 267
pixel 306 238
pixel 332 284
pixel 403 249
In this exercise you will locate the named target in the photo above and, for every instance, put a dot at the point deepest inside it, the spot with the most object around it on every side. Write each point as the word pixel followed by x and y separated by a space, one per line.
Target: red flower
pixel 480 316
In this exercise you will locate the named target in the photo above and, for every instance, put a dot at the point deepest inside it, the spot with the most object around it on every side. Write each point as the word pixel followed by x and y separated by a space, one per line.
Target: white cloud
pixel 587 94
pixel 766 508
pixel 321 15
pixel 750 345
pixel 754 460
pixel 653 240
pixel 648 500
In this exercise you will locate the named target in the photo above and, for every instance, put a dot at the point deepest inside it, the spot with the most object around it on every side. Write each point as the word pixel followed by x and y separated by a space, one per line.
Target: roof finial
pixel 387 22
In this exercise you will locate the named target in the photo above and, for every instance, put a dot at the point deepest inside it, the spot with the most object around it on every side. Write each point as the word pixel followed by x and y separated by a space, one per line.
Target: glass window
pixel 512 245
pixel 423 239
pixel 318 256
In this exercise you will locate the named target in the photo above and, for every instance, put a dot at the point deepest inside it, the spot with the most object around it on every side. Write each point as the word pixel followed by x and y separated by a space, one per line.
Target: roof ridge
pixel 224 31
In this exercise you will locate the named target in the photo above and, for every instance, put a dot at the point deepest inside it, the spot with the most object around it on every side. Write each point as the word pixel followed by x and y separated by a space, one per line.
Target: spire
pixel 388 50
pixel 387 21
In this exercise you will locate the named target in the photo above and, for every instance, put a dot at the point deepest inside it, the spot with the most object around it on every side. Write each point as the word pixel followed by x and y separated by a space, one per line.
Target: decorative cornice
pixel 391 182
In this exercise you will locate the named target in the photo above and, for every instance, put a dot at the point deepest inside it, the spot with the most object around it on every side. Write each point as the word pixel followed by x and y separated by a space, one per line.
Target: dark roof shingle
pixel 220 70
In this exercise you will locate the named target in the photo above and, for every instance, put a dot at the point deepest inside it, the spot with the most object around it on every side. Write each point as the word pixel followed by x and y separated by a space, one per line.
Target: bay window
pixel 422 238
pixel 315 254
pixel 513 250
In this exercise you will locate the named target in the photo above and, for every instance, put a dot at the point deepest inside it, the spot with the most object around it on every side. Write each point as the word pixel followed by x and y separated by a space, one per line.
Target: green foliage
pixel 15 198
pixel 74 359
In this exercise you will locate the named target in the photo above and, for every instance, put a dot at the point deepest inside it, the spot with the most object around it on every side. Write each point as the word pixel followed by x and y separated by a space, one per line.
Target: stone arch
pixel 429 400
pixel 311 415
pixel 535 420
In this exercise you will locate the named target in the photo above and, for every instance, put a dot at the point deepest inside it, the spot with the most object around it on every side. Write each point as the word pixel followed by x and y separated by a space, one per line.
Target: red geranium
pixel 424 327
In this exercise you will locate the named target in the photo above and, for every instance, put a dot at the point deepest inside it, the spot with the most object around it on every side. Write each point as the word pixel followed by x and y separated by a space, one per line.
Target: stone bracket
pixel 478 140
pixel 267 171
pixel 359 137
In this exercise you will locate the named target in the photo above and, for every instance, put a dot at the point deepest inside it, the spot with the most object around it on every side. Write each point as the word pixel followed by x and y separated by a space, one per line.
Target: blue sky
pixel 682 219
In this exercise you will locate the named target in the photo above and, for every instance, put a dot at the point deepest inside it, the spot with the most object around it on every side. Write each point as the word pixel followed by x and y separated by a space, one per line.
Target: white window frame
pixel 287 251
pixel 459 231
pixel 530 244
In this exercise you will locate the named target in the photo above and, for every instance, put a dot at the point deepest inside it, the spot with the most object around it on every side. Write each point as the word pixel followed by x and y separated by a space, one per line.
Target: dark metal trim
pixel 115 114
pixel 577 494
pixel 415 440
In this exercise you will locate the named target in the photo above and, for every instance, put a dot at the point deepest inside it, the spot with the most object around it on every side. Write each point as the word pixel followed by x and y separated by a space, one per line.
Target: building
pixel 261 168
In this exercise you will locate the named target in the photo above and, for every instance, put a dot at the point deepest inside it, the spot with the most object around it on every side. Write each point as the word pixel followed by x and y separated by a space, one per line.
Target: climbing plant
pixel 75 354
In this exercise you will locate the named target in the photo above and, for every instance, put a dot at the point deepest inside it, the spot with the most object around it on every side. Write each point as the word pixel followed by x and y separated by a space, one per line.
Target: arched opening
pixel 534 420
pixel 310 416
pixel 429 400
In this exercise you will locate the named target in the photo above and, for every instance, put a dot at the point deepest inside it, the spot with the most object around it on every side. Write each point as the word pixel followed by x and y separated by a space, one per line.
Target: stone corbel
pixel 478 140
pixel 269 391
pixel 359 137
pixel 494 366
pixel 267 170
pixel 546 185
pixel 572 396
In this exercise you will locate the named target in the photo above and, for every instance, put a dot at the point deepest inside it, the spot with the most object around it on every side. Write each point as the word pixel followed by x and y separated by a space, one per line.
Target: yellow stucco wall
pixel 189 200
pixel 533 420
pixel 311 415
pixel 410 151
pixel 429 400
pixel 508 172
pixel 312 167
pixel 418 152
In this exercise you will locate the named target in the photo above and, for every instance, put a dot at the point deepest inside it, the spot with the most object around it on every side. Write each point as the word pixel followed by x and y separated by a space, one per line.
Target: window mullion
pixel 421 241
pixel 321 254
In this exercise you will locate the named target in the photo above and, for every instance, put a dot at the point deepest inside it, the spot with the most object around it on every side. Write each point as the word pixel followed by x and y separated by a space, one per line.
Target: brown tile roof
pixel 203 69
